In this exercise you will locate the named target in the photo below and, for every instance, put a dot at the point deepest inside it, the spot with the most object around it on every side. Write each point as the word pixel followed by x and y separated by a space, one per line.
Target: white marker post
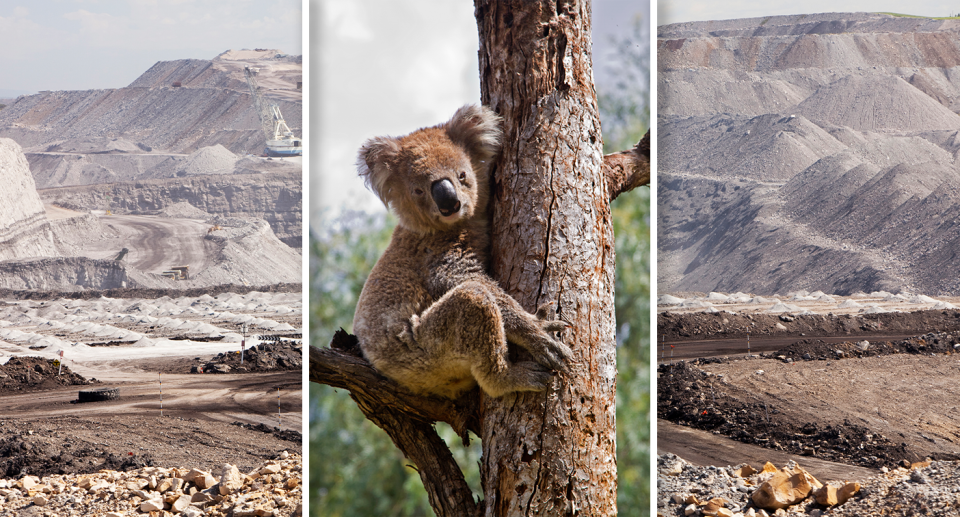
pixel 161 394
pixel 60 353
pixel 279 425
pixel 243 341
pixel 748 344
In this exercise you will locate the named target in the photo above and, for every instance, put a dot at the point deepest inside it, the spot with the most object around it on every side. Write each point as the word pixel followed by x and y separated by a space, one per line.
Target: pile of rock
pixel 273 490
pixel 923 488
pixel 268 356
pixel 36 373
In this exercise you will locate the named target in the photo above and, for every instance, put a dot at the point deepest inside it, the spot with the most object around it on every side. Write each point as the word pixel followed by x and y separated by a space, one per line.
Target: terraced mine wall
pixel 76 273
pixel 176 106
pixel 179 120
pixel 812 152
pixel 275 198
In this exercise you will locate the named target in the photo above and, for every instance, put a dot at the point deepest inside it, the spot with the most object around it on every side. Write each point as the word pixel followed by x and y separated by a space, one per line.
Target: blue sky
pixel 86 44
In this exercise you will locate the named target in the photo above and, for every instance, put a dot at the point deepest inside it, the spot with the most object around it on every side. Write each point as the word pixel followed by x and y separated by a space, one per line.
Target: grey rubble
pixel 272 490
pixel 922 490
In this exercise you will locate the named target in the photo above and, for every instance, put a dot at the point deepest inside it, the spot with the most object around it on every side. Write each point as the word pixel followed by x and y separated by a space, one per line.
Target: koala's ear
pixel 476 128
pixel 375 164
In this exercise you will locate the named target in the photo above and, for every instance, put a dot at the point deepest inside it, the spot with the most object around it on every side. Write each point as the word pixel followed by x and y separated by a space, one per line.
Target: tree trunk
pixel 551 453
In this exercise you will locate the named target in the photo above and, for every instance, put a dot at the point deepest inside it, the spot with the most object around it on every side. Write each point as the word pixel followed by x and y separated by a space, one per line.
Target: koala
pixel 429 316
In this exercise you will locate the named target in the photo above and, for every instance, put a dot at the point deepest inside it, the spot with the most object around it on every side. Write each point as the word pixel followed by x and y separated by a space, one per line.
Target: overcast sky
pixel 388 67
pixel 696 10
pixel 86 44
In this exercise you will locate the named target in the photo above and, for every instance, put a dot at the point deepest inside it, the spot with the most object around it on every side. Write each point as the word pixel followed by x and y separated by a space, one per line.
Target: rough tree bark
pixel 550 453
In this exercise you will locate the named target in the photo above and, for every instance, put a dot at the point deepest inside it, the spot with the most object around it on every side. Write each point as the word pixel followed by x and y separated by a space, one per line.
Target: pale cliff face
pixel 24 230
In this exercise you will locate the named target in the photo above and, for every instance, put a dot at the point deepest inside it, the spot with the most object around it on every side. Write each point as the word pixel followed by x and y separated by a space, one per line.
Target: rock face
pixel 274 197
pixel 809 152
pixel 24 230
pixel 73 273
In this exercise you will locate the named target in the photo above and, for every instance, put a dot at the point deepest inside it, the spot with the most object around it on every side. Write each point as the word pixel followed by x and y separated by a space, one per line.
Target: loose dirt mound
pixel 215 159
pixel 689 396
pixel 877 103
pixel 22 374
pixel 265 357
pixel 284 434
pixel 722 325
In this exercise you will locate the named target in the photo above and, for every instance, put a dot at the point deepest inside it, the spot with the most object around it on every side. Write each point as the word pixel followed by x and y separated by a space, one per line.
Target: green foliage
pixel 631 222
pixel 625 115
pixel 355 470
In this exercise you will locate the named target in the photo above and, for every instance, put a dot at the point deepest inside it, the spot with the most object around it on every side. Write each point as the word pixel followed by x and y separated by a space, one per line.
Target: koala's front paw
pixel 553 353
pixel 547 323
pixel 533 376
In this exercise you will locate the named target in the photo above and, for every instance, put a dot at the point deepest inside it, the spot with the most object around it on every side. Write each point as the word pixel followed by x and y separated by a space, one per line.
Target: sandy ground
pixel 704 448
pixel 912 399
pixel 118 343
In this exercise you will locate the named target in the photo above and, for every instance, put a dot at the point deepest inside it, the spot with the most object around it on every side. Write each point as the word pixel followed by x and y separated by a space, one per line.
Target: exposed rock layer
pixel 275 198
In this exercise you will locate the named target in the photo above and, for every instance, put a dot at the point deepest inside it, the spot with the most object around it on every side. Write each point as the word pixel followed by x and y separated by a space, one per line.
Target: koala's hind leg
pixel 465 327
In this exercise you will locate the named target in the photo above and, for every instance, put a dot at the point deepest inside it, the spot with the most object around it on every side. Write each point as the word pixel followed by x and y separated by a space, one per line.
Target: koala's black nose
pixel 445 196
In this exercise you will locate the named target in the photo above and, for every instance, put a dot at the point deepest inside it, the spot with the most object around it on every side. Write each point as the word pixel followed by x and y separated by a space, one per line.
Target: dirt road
pixel 158 243
pixel 197 426
pixel 704 448
pixel 250 398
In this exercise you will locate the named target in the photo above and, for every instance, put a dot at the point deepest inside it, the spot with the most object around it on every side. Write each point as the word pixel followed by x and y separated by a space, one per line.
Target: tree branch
pixel 628 170
pixel 407 418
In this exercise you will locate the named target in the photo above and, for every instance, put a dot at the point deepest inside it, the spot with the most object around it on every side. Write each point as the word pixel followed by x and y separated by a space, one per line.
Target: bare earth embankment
pixel 849 388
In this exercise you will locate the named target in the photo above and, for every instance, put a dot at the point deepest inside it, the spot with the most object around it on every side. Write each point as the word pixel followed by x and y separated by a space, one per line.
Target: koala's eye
pixel 463 176
pixel 418 192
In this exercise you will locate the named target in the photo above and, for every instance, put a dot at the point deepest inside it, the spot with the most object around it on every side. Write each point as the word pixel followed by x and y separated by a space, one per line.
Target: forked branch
pixel 407 418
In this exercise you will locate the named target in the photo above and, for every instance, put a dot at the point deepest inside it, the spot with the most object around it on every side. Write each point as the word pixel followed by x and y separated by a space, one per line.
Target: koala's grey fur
pixel 429 316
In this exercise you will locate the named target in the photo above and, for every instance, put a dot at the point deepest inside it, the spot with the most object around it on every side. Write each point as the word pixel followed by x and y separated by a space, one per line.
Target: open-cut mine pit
pixel 150 296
